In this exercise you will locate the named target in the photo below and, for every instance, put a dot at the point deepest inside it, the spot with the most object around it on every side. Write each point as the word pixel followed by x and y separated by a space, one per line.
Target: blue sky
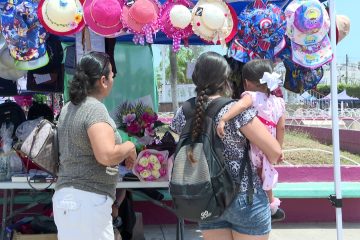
pixel 351 44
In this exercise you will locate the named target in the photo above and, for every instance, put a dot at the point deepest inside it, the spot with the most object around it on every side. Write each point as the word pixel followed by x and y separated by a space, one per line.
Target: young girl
pixel 259 80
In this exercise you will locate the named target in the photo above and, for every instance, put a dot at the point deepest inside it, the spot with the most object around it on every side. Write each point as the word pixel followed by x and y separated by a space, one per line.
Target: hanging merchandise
pixel 2 41
pixel 7 66
pixel 61 17
pixel 49 78
pixel 8 88
pixel 24 34
pixel 141 18
pixel 175 18
pixel 297 77
pixel 261 32
pixel 342 27
pixel 308 24
pixel 70 59
pixel 214 21
pixel 103 17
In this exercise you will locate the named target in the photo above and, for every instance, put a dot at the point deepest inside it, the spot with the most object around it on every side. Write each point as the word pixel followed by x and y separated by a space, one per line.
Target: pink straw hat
pixel 103 17
pixel 141 18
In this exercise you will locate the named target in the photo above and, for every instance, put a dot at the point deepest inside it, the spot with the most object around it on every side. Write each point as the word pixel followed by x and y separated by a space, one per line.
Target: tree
pixel 173 78
pixel 183 57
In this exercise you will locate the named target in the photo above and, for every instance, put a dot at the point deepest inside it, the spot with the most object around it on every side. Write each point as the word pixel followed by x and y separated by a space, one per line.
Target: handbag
pixel 42 147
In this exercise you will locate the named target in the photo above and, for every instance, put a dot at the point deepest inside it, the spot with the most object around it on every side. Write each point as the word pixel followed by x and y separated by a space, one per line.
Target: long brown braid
pixel 210 77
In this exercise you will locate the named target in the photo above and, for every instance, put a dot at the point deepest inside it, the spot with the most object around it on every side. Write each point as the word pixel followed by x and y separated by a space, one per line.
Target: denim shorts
pixel 244 218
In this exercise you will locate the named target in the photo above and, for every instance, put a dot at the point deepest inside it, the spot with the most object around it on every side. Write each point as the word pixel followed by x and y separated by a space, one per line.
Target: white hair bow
pixel 272 80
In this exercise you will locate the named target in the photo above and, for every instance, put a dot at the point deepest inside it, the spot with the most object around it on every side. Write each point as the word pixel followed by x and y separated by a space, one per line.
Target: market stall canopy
pixel 160 37
pixel 341 96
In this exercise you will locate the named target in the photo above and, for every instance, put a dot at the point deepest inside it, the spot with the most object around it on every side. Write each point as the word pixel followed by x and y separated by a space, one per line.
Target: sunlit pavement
pixel 303 231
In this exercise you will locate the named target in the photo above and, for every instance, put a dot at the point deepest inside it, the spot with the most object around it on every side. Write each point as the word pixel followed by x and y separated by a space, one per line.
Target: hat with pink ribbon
pixel 103 17
pixel 175 19
pixel 141 18
pixel 308 24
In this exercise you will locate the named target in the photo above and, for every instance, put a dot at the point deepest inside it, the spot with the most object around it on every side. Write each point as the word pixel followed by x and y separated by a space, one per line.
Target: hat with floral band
pixel 141 18
pixel 174 20
pixel 214 21
pixel 61 17
pixel 261 31
pixel 24 35
pixel 103 17
pixel 308 24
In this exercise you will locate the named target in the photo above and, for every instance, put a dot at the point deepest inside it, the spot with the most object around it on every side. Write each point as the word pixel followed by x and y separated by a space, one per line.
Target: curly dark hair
pixel 210 76
pixel 90 69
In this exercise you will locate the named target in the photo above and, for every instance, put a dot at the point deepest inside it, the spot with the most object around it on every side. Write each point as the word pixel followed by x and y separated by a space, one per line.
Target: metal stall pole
pixel 337 198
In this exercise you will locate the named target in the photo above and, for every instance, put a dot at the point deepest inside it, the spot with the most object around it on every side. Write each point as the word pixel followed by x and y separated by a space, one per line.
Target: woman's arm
pixel 107 153
pixel 257 134
pixel 280 130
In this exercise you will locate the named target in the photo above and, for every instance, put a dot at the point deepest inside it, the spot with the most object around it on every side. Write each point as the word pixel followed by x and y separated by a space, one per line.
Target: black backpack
pixel 202 191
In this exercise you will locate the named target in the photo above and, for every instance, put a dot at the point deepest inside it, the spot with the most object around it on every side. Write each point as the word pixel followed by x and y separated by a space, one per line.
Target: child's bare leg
pixel 274 202
pixel 277 214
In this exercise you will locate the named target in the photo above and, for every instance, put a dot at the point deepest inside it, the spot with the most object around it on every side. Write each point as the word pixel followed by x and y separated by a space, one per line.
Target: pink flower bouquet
pixel 138 120
pixel 152 165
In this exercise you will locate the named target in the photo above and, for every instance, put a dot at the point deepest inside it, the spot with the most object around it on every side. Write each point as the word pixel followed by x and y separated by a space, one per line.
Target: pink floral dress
pixel 270 109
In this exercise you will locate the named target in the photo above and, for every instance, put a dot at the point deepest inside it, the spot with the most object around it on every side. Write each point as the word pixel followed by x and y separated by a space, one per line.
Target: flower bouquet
pixel 138 120
pixel 152 165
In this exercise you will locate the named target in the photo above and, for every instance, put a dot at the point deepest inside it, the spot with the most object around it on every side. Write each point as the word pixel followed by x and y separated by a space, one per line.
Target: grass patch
pixel 299 140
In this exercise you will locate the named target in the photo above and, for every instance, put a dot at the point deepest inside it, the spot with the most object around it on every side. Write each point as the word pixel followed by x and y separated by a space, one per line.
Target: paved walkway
pixel 306 231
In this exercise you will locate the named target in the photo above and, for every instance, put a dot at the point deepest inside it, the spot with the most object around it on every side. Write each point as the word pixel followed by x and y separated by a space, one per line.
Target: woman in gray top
pixel 241 220
pixel 90 150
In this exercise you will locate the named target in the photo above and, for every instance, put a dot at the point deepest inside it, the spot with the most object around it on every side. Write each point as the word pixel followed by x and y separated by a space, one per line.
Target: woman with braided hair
pixel 241 220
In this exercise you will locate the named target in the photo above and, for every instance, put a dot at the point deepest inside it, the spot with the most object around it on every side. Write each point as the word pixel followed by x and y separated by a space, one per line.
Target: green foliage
pixel 352 90
pixel 183 57
pixel 40 98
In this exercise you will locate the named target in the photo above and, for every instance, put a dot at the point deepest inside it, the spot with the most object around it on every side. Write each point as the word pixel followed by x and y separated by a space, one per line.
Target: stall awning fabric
pixel 341 96
pixel 238 5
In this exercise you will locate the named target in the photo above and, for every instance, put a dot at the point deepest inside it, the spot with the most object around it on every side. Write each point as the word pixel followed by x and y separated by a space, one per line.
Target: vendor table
pixel 8 200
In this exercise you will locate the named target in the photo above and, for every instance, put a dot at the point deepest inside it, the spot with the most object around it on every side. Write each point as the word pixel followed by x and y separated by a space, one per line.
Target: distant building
pixel 352 70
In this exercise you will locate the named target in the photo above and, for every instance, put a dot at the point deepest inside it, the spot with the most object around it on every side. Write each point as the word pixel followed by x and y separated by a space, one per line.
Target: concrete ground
pixel 303 231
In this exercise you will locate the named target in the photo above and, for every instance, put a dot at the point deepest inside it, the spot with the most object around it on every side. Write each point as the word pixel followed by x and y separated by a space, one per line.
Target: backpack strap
pixel 188 108
pixel 246 163
pixel 215 106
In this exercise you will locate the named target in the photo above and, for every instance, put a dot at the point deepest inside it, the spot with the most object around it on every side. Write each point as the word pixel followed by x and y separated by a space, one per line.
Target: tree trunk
pixel 173 79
